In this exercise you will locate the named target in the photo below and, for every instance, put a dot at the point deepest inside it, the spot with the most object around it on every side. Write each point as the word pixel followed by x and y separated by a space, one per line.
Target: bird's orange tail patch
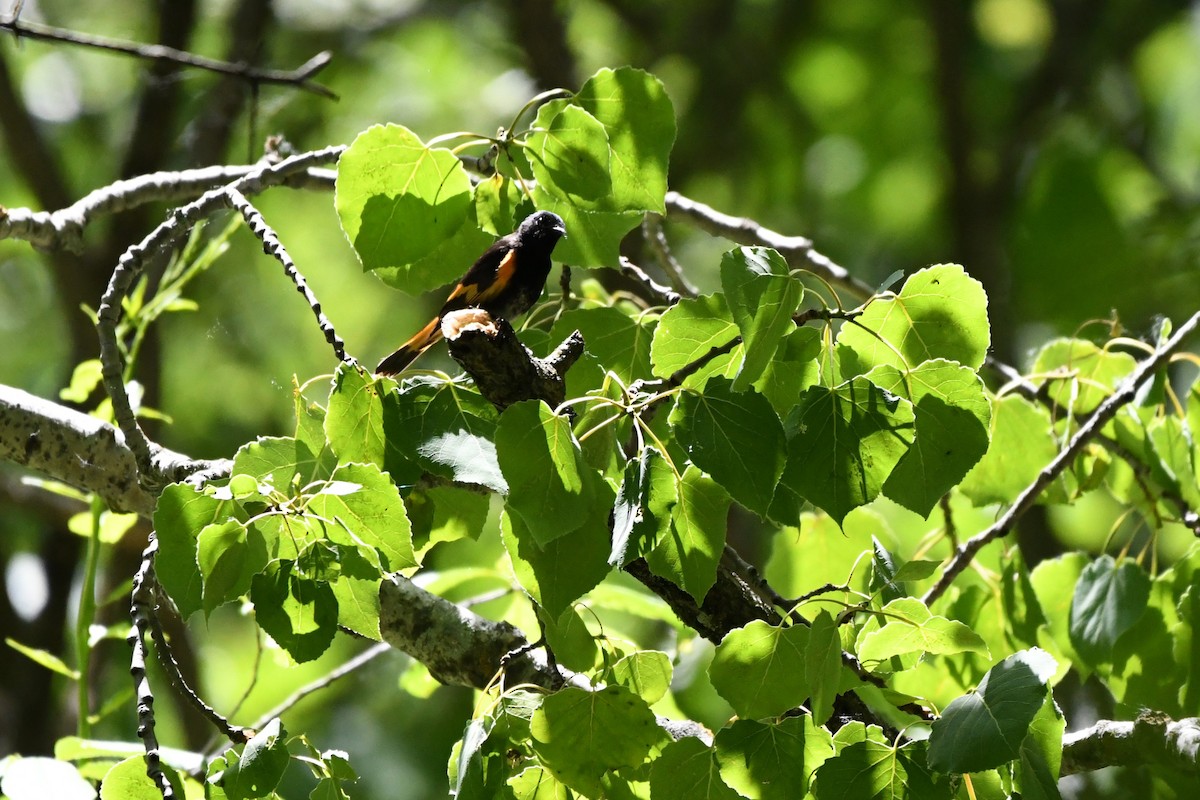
pixel 421 341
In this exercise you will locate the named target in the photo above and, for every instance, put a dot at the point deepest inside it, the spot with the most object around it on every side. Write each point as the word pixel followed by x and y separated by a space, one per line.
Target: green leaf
pixel 735 437
pixel 567 567
pixel 1109 599
pixel 687 769
pixel 499 204
pixel 687 331
pixel 1089 373
pixel 281 461
pixel 637 114
pixel 985 729
pixel 182 512
pixel 762 296
pixel 398 199
pixel 1176 453
pixel 595 236
pixel 916 570
pixel 793 369
pixel 823 665
pixel 84 379
pixel 951 419
pixel 843 444
pixel 373 515
pixel 568 151
pixel 772 761
pixel 911 628
pixel 229 554
pixel 941 312
pixel 687 554
pixel 544 469
pixel 357 593
pixel 261 764
pixel 535 783
pixel 568 637
pixel 445 428
pixel 619 342
pixel 760 669
pixel 354 421
pixel 872 770
pixel 1041 755
pixel 44 658
pixel 448 261
pixel 580 734
pixel 299 613
pixel 646 673
pixel 1021 445
pixel 642 511
pixel 127 780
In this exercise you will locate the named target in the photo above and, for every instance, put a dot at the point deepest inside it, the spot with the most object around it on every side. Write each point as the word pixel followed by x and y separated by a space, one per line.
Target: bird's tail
pixel 421 341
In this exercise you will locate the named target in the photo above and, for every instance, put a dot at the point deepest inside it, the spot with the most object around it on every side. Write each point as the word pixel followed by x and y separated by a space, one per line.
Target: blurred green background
pixel 1052 147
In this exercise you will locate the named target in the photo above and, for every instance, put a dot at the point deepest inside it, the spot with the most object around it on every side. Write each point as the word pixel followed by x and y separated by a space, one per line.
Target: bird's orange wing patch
pixel 505 272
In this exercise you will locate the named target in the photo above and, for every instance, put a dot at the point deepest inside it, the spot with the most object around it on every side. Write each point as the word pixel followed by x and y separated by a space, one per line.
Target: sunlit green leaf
pixel 985 729
pixel 580 734
pixel 843 444
pixel 772 761
pixel 735 437
pixel 398 199
pixel 940 312
pixel 760 669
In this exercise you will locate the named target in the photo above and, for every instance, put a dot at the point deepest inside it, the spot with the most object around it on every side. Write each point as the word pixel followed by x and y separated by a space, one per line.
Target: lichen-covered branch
pixel 63 229
pixel 1152 739
pixel 457 646
pixel 78 450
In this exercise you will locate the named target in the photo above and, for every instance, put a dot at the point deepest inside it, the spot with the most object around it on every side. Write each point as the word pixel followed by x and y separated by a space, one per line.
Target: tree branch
pixel 1152 739
pixel 63 229
pixel 77 449
pixel 153 464
pixel 1088 431
pixel 301 77
pixel 798 251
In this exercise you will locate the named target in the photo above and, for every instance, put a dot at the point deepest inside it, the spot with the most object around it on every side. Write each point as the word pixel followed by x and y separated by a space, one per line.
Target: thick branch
pixel 504 370
pixel 1153 739
pixel 459 647
pixel 76 449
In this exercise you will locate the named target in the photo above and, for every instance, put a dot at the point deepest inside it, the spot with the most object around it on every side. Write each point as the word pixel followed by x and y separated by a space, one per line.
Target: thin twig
pixel 358 661
pixel 166 658
pixel 1088 431
pixel 656 240
pixel 301 77
pixel 273 247
pixel 798 251
pixel 663 294
pixel 142 611
pixel 154 468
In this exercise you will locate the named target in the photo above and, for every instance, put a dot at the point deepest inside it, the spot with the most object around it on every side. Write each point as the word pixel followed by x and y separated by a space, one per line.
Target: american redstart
pixel 506 281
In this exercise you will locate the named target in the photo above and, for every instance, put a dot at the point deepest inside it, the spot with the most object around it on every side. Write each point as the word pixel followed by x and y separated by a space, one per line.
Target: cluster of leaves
pixel 864 444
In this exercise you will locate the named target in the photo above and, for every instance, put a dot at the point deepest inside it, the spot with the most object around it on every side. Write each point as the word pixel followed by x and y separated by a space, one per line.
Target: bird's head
pixel 542 226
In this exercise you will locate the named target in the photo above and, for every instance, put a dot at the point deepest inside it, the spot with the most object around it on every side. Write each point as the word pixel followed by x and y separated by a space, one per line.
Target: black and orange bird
pixel 506 281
